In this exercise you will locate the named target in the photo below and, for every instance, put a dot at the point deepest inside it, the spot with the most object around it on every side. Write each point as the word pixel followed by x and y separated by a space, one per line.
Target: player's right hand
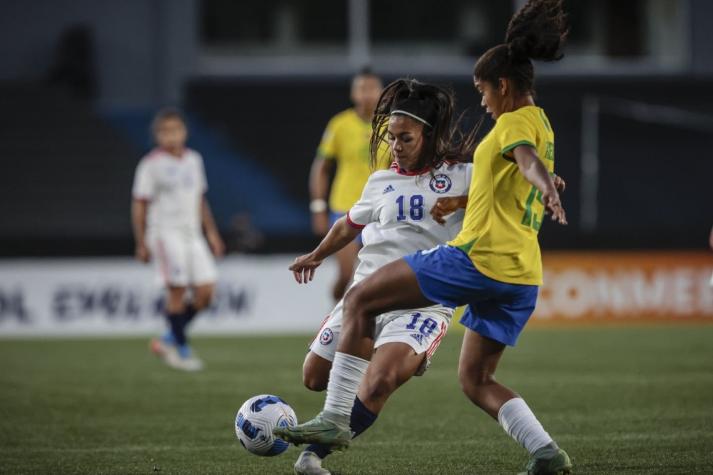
pixel 304 268
pixel 320 223
pixel 142 253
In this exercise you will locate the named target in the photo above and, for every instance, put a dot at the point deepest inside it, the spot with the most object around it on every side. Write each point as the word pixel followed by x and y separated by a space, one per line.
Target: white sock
pixel 344 380
pixel 521 424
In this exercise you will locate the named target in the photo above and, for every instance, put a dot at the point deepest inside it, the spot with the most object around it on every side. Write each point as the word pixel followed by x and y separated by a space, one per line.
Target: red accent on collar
pixel 395 167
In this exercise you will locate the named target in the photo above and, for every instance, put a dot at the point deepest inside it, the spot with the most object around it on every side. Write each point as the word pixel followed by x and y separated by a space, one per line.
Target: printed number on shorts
pixel 427 326
pixel 415 208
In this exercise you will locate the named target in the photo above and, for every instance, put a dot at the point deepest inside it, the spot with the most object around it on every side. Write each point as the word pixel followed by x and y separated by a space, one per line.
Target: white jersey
pixel 174 186
pixel 394 211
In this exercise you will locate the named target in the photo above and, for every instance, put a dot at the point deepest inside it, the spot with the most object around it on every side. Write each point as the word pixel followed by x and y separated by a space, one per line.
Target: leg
pixel 391 366
pixel 476 369
pixel 203 296
pixel 479 359
pixel 392 287
pixel 315 372
pixel 175 308
pixel 346 257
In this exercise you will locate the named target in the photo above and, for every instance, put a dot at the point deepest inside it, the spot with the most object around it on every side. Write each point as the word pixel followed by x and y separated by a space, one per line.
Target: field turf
pixel 620 400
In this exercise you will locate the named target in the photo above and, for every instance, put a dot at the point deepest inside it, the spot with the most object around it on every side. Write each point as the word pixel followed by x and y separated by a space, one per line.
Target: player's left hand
pixel 553 205
pixel 216 244
pixel 304 268
pixel 447 205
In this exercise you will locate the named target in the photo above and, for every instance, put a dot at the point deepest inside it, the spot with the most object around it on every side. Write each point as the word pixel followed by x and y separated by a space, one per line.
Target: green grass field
pixel 619 400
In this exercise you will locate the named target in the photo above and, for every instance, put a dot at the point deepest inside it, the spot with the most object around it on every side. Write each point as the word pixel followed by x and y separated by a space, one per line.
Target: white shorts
pixel 182 259
pixel 421 329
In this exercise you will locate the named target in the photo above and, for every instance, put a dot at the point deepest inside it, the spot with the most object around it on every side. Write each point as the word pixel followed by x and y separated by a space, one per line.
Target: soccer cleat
pixel 324 429
pixel 158 347
pixel 557 465
pixel 309 463
pixel 176 361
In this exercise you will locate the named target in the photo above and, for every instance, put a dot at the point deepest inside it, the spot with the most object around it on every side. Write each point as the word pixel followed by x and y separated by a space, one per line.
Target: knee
pixel 354 301
pixel 313 380
pixel 202 299
pixel 473 378
pixel 379 386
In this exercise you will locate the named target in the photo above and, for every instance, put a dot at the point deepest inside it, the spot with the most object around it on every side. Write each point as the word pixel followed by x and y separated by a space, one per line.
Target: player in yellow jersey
pixel 493 265
pixel 345 144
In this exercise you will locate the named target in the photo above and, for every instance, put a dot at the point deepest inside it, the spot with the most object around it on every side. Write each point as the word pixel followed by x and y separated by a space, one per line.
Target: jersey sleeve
pixel 363 211
pixel 513 130
pixel 468 175
pixel 144 186
pixel 328 145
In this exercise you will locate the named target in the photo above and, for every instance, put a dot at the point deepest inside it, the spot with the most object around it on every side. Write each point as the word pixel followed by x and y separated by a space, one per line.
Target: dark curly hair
pixel 443 138
pixel 537 31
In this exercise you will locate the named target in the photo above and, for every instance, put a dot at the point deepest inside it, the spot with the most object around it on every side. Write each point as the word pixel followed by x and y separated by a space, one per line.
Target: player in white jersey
pixel 397 215
pixel 170 213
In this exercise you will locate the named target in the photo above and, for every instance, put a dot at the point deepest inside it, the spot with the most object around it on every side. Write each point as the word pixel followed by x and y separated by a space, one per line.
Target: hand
pixel 560 184
pixel 216 244
pixel 551 200
pixel 447 205
pixel 304 268
pixel 320 223
pixel 142 252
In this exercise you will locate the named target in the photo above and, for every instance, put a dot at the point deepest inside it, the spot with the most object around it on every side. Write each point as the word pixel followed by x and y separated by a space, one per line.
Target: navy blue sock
pixel 176 323
pixel 362 419
pixel 189 314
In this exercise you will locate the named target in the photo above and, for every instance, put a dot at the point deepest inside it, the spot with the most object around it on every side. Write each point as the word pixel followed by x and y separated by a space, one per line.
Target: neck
pixel 523 100
pixel 175 151
pixel 364 114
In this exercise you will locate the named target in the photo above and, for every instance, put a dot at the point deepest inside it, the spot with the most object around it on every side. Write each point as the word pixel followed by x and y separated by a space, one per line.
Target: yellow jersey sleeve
pixel 513 130
pixel 327 148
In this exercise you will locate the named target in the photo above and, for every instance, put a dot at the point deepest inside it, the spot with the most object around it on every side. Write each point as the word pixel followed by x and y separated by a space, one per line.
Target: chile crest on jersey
pixel 440 183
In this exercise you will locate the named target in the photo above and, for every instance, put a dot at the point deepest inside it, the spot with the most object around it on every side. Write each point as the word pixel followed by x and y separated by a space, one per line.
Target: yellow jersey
pixel 346 140
pixel 505 211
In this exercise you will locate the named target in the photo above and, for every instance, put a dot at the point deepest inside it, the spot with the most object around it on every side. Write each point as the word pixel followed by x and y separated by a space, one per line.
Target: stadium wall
pixel 257 295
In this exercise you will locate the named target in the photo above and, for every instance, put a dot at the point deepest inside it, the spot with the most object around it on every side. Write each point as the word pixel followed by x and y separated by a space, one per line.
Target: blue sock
pixel 175 322
pixel 184 351
pixel 188 315
pixel 362 419
pixel 168 337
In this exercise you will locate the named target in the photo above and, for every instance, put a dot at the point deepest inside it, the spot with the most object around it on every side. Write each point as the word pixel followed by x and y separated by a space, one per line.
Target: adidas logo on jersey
pixel 388 189
pixel 418 337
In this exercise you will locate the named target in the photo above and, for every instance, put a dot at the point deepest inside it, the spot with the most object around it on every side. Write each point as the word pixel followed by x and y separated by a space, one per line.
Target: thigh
pixel 325 342
pixel 392 287
pixel 170 255
pixel 202 263
pixel 391 366
pixel 479 356
pixel 422 330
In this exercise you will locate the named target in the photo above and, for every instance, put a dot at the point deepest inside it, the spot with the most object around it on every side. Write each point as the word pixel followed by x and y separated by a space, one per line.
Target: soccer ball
pixel 256 419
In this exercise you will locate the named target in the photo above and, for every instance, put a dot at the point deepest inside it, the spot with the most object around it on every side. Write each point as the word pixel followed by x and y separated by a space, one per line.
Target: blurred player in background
pixel 493 265
pixel 393 212
pixel 170 213
pixel 345 144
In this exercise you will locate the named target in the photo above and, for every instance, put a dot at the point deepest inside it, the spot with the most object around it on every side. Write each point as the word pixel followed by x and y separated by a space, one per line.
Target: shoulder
pixel 194 155
pixel 522 116
pixel 453 167
pixel 150 159
pixel 342 118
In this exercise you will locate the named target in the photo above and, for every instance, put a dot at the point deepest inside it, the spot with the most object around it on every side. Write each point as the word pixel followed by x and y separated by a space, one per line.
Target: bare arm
pixel 139 210
pixel 447 205
pixel 341 234
pixel 211 230
pixel 535 172
pixel 318 186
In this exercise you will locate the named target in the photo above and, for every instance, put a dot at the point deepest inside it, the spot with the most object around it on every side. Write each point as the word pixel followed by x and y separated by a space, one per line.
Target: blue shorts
pixel 334 216
pixel 496 310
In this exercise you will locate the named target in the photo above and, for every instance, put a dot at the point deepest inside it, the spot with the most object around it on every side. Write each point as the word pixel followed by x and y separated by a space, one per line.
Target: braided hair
pixel 434 107
pixel 537 31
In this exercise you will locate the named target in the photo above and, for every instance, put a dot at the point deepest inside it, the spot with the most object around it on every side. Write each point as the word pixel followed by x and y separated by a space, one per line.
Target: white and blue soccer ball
pixel 256 419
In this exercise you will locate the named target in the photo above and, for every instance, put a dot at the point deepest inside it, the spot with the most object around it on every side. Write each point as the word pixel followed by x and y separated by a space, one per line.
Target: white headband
pixel 413 116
